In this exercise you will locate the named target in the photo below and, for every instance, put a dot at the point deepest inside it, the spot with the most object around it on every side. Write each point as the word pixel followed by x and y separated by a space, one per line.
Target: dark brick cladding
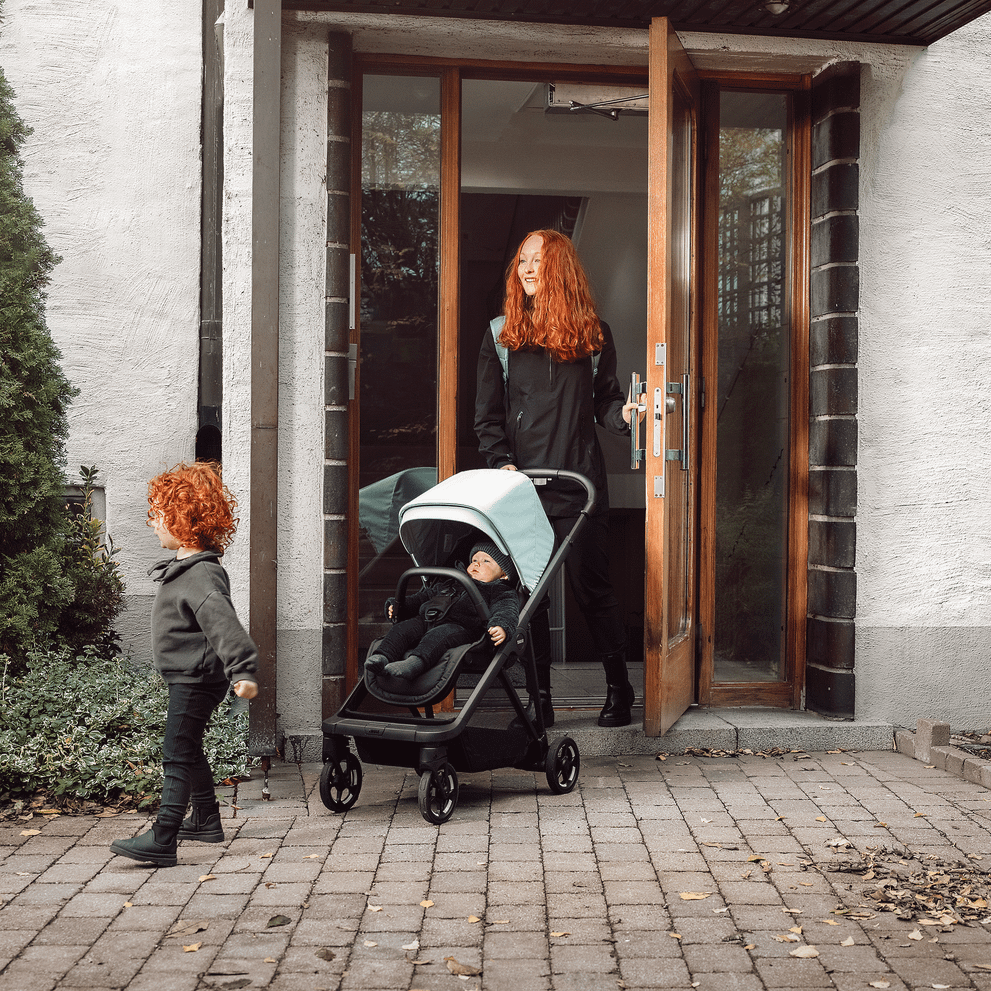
pixel 336 370
pixel 835 302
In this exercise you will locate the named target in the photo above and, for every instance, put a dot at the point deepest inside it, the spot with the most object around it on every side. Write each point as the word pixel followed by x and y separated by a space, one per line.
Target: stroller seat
pixel 435 683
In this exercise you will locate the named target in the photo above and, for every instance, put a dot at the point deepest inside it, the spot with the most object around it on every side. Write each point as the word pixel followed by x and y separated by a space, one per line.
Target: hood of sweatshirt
pixel 165 571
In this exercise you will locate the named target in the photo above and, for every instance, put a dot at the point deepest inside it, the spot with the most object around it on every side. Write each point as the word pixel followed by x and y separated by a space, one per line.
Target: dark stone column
pixel 835 305
pixel 336 371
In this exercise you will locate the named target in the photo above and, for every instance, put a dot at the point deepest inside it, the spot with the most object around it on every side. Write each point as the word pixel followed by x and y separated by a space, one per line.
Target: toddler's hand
pixel 245 689
pixel 498 634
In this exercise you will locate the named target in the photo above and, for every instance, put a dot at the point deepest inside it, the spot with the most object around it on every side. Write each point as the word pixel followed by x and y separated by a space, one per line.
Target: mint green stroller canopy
pixel 504 505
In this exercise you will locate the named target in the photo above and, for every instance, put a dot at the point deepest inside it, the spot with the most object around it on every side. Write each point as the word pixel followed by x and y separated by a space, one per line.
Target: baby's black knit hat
pixel 503 560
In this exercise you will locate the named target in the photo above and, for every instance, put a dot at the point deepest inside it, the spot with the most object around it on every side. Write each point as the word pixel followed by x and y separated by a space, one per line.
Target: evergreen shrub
pixel 91 727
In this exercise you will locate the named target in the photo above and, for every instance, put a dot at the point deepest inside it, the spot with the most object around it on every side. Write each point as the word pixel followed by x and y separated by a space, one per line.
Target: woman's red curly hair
pixel 560 317
pixel 195 505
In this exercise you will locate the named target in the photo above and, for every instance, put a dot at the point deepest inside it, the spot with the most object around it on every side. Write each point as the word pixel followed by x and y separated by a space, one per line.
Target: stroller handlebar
pixel 438 572
pixel 572 476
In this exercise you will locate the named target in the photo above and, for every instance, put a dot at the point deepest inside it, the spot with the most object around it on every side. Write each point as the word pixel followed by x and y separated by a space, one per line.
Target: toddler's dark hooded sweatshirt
pixel 196 635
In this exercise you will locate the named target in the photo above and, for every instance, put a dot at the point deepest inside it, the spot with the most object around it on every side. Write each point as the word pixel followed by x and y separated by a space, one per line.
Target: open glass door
pixel 672 387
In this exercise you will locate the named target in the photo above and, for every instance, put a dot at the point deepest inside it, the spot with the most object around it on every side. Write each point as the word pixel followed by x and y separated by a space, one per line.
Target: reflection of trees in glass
pixel 399 151
pixel 399 265
pixel 752 403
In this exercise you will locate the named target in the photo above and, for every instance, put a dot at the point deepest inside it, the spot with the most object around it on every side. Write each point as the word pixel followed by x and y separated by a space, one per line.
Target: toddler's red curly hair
pixel 561 317
pixel 195 505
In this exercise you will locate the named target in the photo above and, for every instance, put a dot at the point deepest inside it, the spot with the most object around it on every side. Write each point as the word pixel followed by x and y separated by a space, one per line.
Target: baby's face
pixel 483 568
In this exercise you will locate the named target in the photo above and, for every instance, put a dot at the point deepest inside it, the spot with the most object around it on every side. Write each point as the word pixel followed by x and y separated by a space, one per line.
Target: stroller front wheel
pixel 562 765
pixel 438 794
pixel 340 782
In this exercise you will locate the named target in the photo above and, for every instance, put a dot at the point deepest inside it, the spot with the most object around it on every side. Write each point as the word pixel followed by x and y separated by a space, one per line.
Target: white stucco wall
pixel 113 93
pixel 923 540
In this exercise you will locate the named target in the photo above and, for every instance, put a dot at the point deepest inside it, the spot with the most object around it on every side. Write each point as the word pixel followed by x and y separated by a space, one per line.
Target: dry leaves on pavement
pixel 927 890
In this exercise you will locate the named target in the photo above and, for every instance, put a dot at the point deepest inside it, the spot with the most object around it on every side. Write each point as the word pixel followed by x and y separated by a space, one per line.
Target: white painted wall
pixel 113 93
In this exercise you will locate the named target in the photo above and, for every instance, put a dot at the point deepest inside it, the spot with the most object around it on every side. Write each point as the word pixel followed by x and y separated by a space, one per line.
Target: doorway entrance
pixel 457 164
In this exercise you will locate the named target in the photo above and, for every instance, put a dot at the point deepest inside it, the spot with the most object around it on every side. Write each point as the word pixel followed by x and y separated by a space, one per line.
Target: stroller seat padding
pixel 435 682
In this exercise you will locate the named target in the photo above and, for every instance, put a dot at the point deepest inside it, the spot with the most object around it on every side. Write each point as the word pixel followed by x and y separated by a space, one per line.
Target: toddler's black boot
pixel 156 846
pixel 203 824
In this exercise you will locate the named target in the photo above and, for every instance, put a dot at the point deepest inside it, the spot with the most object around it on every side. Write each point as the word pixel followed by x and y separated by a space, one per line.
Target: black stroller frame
pixel 438 745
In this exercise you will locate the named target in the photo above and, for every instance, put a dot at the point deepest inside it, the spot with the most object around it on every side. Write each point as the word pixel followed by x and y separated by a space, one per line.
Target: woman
pixel 540 412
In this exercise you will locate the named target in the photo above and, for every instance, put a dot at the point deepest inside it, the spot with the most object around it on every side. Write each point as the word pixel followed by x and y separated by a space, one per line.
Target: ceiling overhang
pixel 892 22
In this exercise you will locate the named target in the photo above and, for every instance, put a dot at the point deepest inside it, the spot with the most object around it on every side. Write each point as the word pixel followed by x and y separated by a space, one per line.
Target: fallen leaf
pixel 128 904
pixel 208 877
pixel 474 918
pixel 270 960
pixel 461 969
pixel 983 966
pixel 918 815
pixel 880 984
pixel 753 857
pixel 675 935
pixel 830 922
pixel 915 934
pixel 500 922
pixel 793 911
pixel 370 942
pixel 705 820
pixel 804 952
pixel 849 941
pixel 312 856
pixel 796 929
pixel 192 948
pixel 941 985
pixel 786 938
pixel 374 908
pixel 751 946
pixel 415 945
pixel 30 832
pixel 820 818
pixel 778 818
pixel 266 856
pixel 325 953
pixel 694 896
pixel 426 903
pixel 563 932
pixel 278 920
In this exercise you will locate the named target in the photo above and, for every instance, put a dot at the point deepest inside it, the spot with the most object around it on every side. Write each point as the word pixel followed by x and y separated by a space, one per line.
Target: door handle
pixel 637 389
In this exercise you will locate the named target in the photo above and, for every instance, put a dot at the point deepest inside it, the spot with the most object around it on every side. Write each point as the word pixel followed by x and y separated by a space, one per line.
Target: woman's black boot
pixel 203 824
pixel 619 692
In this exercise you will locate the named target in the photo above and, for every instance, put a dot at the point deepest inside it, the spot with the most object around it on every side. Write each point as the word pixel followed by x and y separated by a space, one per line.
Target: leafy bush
pixel 98 589
pixel 91 727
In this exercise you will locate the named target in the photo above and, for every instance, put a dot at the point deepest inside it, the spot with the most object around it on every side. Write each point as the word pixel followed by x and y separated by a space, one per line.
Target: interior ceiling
pixel 905 22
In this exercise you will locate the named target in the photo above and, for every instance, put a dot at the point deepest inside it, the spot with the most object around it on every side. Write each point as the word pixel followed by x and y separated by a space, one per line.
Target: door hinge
pixel 702 392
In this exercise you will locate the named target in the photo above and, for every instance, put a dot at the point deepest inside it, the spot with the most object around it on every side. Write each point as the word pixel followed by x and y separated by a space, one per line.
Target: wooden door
pixel 671 397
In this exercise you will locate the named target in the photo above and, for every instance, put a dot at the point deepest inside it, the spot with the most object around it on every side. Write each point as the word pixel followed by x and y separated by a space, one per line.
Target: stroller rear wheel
pixel 562 765
pixel 340 782
pixel 438 794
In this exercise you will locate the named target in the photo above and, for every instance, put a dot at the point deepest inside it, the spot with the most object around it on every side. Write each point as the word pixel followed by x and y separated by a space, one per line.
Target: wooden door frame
pixel 788 692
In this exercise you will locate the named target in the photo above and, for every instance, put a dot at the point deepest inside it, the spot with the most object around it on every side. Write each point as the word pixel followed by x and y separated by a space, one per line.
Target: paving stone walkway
pixel 684 873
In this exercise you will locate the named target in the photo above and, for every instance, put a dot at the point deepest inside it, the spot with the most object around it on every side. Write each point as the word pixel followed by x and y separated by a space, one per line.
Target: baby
pixel 446 617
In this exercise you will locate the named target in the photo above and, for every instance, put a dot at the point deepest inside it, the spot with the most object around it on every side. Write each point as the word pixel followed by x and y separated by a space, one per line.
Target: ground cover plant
pixel 88 728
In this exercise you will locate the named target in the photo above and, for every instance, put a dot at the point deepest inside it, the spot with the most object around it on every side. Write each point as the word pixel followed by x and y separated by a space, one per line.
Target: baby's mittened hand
pixel 497 633
pixel 245 689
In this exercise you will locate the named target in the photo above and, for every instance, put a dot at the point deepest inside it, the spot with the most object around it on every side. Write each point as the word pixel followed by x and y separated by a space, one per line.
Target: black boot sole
pixel 158 859
pixel 213 837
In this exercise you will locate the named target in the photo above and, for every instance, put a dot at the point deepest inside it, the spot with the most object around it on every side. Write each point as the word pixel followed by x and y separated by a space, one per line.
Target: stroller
pixel 396 722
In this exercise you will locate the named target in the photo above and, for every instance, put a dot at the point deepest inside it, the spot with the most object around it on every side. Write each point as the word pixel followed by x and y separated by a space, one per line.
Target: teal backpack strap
pixel 496 326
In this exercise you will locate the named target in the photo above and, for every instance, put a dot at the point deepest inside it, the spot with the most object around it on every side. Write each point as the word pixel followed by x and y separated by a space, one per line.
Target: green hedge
pixel 91 727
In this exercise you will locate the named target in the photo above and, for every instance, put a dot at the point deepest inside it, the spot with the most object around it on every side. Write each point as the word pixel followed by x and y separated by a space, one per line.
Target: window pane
pixel 752 399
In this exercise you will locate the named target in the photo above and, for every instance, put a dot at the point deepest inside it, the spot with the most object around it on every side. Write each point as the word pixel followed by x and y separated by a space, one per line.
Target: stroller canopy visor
pixel 501 504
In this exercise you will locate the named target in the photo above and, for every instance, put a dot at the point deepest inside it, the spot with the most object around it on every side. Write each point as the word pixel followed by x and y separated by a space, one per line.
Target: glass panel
pixel 752 396
pixel 400 191
pixel 524 168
